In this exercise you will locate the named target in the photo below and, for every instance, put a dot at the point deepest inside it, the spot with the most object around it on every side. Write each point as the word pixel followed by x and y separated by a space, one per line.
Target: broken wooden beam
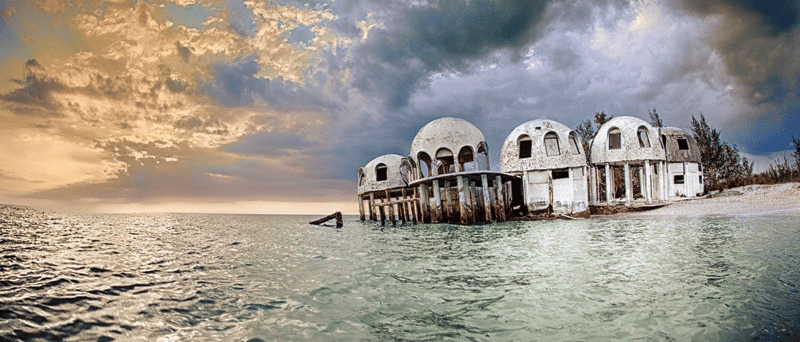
pixel 337 215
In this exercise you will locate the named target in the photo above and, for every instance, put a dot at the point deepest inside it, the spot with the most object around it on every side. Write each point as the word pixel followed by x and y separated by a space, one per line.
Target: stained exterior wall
pixel 367 175
pixel 556 181
pixel 684 171
pixel 630 149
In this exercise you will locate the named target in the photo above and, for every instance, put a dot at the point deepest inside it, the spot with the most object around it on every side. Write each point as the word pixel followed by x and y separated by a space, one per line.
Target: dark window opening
pixel 573 144
pixel 360 178
pixel 380 172
pixel 663 141
pixel 683 144
pixel 678 179
pixel 614 139
pixel 701 179
pixel 525 148
pixel 560 174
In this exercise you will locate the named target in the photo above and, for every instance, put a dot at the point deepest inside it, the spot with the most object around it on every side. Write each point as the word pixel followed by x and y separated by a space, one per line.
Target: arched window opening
pixel 614 139
pixel 360 177
pixel 483 155
pixel 380 172
pixel 445 157
pixel 663 141
pixel 413 167
pixel 524 143
pixel 573 143
pixel 405 171
pixel 644 139
pixel 551 144
pixel 424 165
pixel 466 159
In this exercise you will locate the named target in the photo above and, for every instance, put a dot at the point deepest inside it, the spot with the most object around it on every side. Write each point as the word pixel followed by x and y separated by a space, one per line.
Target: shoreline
pixel 749 200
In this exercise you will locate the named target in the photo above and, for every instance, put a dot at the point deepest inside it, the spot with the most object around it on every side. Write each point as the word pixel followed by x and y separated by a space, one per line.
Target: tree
pixel 655 119
pixel 723 167
pixel 796 153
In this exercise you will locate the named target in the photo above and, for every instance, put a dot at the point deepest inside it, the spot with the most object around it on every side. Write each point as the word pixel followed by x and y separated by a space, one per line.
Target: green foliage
pixel 655 119
pixel 723 167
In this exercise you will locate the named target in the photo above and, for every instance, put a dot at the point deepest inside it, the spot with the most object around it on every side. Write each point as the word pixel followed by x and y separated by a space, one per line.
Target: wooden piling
pixel 424 203
pixel 501 208
pixel 462 199
pixel 372 207
pixel 473 205
pixel 383 215
pixel 437 201
pixel 487 202
pixel 361 207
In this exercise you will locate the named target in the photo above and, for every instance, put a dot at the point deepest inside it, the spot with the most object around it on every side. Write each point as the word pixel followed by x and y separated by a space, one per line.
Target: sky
pixel 272 106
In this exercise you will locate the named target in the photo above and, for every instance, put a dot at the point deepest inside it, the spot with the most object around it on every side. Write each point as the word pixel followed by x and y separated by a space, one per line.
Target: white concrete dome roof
pixel 450 133
pixel 368 175
pixel 564 154
pixel 674 151
pixel 631 147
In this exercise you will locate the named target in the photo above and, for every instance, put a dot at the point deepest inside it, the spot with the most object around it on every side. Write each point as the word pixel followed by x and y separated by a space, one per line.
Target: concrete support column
pixel 372 215
pixel 646 186
pixel 462 199
pixel 609 184
pixel 501 208
pixel 628 187
pixel 592 185
pixel 437 201
pixel 487 200
pixel 448 203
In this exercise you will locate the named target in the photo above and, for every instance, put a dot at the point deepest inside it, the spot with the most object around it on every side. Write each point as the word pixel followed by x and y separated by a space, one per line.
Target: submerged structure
pixel 549 159
pixel 684 167
pixel 545 172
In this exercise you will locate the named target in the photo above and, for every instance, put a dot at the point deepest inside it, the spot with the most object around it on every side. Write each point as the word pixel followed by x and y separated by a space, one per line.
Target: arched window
pixel 644 139
pixel 466 159
pixel 445 157
pixel 360 177
pixel 551 144
pixel 380 172
pixel 614 139
pixel 524 143
pixel 424 164
pixel 483 152
pixel 573 143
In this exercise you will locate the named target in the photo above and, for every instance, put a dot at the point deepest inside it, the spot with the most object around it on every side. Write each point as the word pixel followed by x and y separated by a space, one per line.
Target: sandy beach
pixel 750 200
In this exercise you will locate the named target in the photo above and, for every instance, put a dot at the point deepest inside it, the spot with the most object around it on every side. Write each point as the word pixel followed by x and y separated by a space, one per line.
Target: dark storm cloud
pixel 759 41
pixel 34 97
pixel 448 37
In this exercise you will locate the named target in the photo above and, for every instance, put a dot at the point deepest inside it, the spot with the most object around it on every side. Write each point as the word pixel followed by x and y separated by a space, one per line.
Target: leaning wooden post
pixel 437 200
pixel 462 199
pixel 372 207
pixel 487 201
pixel 415 206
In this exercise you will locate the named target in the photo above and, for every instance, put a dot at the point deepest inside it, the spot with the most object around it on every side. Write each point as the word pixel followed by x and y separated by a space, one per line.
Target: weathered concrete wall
pixel 511 162
pixel 630 149
pixel 369 174
pixel 452 134
pixel 566 195
pixel 692 180
pixel 671 135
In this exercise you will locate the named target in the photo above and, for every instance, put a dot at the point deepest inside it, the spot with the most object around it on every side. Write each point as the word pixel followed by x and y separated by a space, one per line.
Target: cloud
pixel 417 42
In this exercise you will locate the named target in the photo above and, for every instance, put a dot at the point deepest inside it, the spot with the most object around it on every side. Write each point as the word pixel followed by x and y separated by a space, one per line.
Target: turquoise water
pixel 176 277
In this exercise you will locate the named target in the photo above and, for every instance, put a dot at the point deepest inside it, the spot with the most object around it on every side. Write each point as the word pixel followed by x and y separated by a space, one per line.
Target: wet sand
pixel 750 200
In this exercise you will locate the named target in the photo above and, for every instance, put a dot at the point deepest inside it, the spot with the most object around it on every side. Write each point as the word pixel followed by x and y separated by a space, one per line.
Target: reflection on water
pixel 240 277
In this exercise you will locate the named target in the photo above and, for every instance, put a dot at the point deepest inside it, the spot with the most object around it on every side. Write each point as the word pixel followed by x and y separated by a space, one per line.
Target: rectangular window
pixel 380 173
pixel 560 174
pixel 524 149
pixel 701 179
pixel 683 144
pixel 614 141
pixel 678 179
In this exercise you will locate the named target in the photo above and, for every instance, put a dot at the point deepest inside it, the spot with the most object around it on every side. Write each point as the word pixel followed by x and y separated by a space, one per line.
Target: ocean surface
pixel 199 277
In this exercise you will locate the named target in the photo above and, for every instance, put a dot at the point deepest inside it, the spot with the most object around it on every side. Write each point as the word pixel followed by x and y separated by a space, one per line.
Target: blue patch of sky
pixel 191 16
pixel 10 46
pixel 301 34
pixel 241 18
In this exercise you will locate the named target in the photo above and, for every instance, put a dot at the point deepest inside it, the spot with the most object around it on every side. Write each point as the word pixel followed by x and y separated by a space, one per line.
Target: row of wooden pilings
pixel 466 198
